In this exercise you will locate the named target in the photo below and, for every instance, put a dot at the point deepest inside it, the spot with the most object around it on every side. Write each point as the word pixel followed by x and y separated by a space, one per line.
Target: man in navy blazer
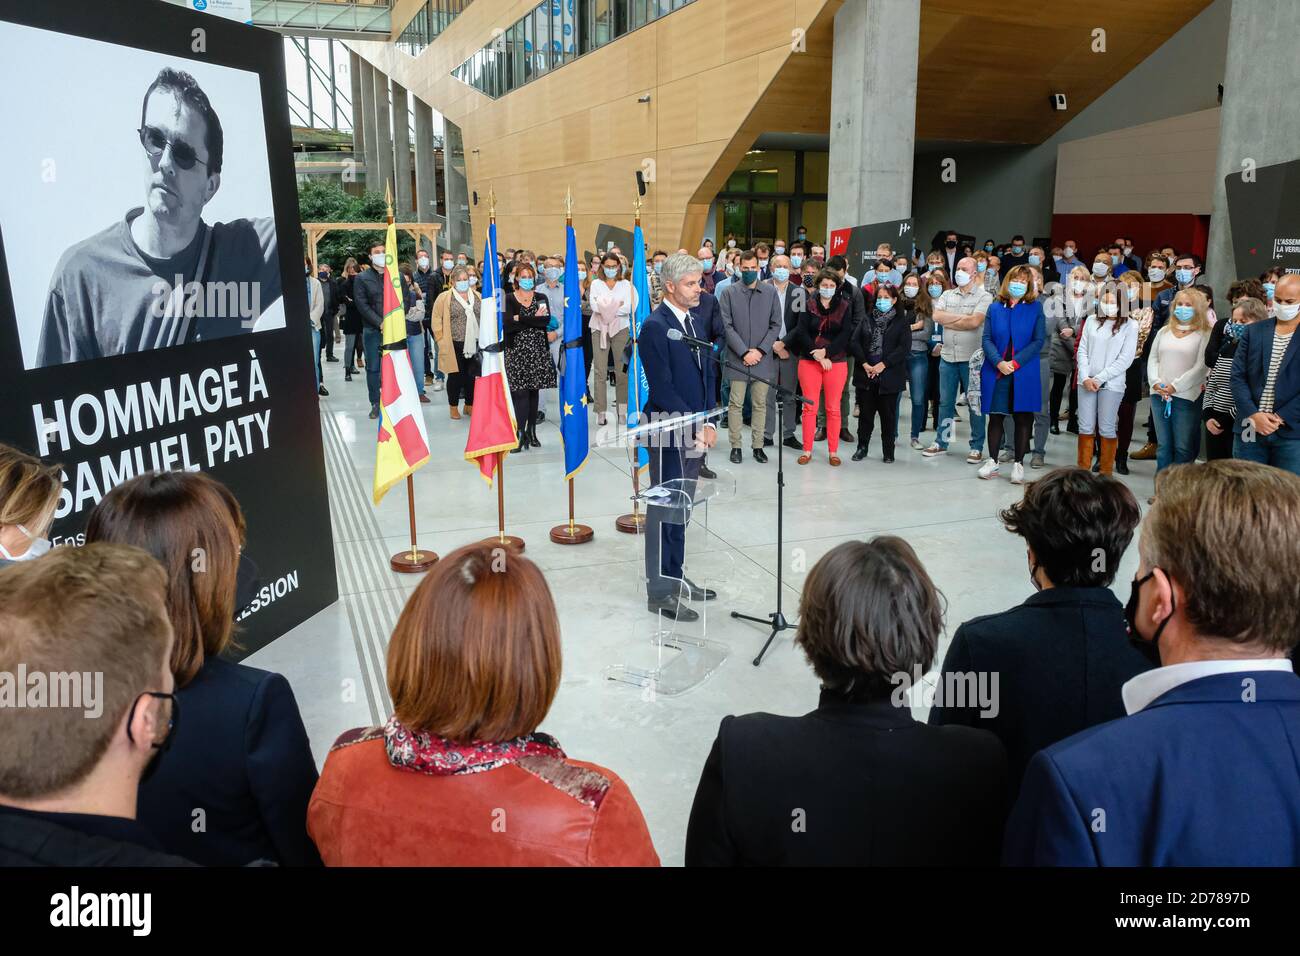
pixel 681 382
pixel 1205 770
pixel 1271 405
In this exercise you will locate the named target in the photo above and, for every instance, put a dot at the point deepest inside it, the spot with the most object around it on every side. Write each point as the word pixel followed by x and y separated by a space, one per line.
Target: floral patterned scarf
pixel 428 753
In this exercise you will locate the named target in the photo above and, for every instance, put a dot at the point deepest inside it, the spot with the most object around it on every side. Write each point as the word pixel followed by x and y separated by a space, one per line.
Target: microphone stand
pixel 776 620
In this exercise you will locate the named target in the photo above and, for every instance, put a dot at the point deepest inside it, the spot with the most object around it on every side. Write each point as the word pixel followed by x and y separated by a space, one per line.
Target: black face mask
pixel 807 281
pixel 1148 649
pixel 951 244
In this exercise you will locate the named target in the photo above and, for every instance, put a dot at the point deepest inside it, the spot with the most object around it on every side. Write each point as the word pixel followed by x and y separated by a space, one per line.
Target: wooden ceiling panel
pixel 987 72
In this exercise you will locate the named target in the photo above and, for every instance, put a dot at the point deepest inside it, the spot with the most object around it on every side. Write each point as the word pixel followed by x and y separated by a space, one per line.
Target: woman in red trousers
pixel 821 340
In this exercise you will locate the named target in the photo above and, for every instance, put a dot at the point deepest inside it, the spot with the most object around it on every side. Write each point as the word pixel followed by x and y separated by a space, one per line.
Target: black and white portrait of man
pixel 161 275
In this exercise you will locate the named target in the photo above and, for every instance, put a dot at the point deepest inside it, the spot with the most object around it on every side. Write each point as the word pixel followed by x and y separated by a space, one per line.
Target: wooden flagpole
pixel 569 533
pixel 634 522
pixel 416 559
pixel 507 540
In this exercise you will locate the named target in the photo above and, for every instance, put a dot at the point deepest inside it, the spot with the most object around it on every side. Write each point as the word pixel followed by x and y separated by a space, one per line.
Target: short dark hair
pixel 748 255
pixel 1017 236
pixel 869 611
pixel 1197 261
pixel 837 263
pixel 191 94
pixel 1078 524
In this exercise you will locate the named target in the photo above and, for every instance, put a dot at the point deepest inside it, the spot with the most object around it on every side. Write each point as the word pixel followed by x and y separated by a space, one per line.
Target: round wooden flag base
pixel 509 541
pixel 572 533
pixel 630 524
pixel 412 562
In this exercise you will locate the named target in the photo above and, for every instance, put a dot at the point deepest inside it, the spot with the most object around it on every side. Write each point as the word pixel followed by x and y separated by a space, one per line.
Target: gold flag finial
pixel 636 206
pixel 388 198
pixel 568 202
pixel 492 202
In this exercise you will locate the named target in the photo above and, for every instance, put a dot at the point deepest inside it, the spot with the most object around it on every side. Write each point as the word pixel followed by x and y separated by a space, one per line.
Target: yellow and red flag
pixel 403 444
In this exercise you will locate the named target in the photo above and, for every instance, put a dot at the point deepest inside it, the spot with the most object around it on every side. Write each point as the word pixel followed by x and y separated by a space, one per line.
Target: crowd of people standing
pixel 1026 339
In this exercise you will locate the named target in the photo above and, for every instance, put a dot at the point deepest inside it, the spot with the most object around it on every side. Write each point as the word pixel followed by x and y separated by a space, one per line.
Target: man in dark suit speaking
pixel 681 383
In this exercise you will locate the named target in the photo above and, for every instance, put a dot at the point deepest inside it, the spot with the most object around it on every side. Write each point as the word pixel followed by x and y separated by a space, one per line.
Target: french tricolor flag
pixel 492 428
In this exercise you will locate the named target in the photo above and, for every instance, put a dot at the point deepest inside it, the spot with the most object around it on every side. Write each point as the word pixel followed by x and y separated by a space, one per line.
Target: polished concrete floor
pixel 335 661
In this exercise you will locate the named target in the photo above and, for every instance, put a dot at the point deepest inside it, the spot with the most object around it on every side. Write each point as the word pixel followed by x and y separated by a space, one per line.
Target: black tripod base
pixel 776 620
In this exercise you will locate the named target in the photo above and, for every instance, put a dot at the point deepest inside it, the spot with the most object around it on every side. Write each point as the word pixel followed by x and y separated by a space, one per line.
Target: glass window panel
pixel 525 28
pixel 638 14
pixel 816 172
pixel 765 180
pixel 814 217
pixel 762 223
pixel 619 18
pixel 601 22
pixel 662 7
pixel 541 38
pixel 738 182
pixel 735 218
pixel 568 29
pixel 517 54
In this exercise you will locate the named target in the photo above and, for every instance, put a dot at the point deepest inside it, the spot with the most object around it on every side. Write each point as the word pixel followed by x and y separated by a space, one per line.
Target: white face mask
pixel 378 261
pixel 38 547
pixel 961 276
pixel 910 291
pixel 1108 309
pixel 1287 312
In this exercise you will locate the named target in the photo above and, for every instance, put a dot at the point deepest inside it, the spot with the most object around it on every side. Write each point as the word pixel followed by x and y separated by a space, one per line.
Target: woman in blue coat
pixel 1014 332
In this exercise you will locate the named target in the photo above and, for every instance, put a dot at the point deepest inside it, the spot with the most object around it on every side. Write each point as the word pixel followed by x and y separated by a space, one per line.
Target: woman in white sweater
pixel 1107 346
pixel 1177 372
pixel 612 302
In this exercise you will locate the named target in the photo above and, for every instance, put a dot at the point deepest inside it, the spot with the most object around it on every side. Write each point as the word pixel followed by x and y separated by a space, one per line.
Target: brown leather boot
pixel 1108 448
pixel 469 409
pixel 1087 443
pixel 1146 453
pixel 455 412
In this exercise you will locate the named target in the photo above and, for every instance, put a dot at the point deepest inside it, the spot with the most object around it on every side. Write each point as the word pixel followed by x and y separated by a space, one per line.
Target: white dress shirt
pixel 681 315
pixel 1140 691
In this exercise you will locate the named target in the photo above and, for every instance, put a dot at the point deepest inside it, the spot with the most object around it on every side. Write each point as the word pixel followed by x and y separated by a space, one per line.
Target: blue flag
pixel 638 387
pixel 573 383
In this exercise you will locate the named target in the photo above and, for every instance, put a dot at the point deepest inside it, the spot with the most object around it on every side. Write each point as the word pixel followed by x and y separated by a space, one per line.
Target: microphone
pixel 677 335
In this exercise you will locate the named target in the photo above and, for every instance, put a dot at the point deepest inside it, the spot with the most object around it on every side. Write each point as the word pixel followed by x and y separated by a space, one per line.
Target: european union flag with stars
pixel 573 380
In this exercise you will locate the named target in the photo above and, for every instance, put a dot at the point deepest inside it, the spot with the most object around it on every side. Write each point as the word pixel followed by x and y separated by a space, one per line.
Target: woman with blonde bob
pixel 1177 371
pixel 29 493
pixel 460 774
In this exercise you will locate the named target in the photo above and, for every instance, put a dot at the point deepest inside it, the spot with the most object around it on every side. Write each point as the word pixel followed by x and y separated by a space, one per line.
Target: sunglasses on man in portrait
pixel 155 141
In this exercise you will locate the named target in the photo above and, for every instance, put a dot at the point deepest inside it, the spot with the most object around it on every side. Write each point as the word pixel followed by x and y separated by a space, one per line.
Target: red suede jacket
pixel 536 811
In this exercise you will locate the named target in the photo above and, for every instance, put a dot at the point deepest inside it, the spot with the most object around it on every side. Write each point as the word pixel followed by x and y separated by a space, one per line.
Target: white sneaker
pixel 1017 474
pixel 916 444
pixel 934 451
pixel 438 385
pixel 989 469
pixel 974 458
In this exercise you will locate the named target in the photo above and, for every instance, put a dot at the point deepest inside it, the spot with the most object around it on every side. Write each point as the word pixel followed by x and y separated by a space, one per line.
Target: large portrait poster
pixel 1264 212
pixel 153 311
